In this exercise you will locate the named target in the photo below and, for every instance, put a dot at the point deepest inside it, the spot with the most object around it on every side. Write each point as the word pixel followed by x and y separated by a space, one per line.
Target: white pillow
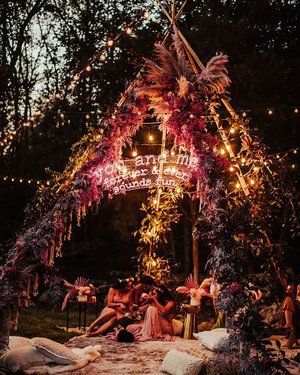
pixel 20 359
pixel 214 339
pixel 178 363
pixel 59 353
pixel 18 342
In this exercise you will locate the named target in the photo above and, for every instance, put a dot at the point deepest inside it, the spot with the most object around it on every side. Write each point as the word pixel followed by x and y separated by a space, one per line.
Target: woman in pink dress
pixel 158 318
pixel 119 304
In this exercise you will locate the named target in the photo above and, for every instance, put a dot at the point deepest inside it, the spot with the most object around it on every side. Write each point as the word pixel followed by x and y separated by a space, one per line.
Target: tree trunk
pixel 196 272
pixel 187 244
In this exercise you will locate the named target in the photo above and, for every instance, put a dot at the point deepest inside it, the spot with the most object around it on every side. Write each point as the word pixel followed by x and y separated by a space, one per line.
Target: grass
pixel 41 321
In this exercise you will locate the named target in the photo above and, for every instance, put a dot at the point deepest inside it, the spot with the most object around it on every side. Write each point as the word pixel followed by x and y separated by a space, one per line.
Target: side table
pixel 190 321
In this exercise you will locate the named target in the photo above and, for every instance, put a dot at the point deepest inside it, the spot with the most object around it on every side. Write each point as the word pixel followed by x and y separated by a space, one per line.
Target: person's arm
pixel 288 318
pixel 110 299
pixel 130 305
pixel 136 295
pixel 164 309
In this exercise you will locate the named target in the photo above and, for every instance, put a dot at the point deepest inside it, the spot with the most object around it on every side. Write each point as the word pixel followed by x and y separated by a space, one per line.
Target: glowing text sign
pixel 143 172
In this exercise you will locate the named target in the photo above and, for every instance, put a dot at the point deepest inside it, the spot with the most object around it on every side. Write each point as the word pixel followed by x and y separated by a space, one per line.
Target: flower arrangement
pixel 194 290
pixel 82 290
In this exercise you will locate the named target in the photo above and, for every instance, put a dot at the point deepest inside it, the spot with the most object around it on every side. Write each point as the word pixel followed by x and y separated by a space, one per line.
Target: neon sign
pixel 147 171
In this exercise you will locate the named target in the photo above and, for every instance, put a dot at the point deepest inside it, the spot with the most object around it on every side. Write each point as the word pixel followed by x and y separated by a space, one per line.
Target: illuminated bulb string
pixel 99 55
pixel 20 180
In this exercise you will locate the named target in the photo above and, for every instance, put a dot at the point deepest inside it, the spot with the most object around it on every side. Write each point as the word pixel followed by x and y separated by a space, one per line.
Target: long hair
pixel 163 295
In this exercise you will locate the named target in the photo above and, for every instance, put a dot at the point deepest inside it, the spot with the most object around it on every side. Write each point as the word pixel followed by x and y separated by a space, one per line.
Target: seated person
pixel 119 304
pixel 141 293
pixel 158 318
pixel 292 317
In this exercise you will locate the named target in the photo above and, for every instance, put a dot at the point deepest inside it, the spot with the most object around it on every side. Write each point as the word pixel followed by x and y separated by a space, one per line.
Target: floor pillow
pixel 20 359
pixel 179 363
pixel 57 352
pixel 18 342
pixel 213 339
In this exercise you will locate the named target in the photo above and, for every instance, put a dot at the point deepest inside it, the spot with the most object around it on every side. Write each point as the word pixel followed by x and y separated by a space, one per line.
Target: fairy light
pixel 69 86
pixel 293 166
pixel 244 114
pixel 146 14
pixel 252 182
pixel 134 153
pixel 232 130
pixel 222 151
pixel 231 169
pixel 296 110
pixel 295 151
pixel 172 153
pixel 151 138
pixel 237 185
pixel 243 160
pixel 270 112
pixel 228 148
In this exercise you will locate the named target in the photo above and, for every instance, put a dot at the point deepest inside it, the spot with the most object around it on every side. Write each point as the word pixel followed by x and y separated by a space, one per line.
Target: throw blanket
pixel 86 355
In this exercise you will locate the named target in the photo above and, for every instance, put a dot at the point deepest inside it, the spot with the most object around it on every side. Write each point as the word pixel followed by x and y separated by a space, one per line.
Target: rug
pixel 134 359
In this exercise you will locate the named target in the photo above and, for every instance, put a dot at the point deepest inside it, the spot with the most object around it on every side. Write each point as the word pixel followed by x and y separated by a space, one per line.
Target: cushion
pixel 213 339
pixel 178 363
pixel 58 353
pixel 20 359
pixel 18 342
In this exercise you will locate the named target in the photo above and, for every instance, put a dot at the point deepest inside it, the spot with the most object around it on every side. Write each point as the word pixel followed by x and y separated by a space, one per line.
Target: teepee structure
pixel 186 97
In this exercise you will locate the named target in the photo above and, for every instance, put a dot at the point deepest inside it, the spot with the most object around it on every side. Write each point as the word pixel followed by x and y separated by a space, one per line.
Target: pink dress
pixel 154 327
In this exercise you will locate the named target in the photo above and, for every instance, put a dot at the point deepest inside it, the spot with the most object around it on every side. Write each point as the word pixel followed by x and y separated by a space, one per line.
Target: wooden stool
pixel 190 321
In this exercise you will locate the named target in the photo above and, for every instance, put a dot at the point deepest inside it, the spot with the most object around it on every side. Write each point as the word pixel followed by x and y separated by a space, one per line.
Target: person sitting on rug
pixel 157 324
pixel 119 305
pixel 142 292
pixel 292 317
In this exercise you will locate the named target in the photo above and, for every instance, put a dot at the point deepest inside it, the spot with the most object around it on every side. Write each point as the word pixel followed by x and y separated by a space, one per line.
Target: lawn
pixel 42 321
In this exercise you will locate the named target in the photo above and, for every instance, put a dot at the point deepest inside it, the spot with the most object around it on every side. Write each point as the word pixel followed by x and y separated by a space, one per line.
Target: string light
pixel 237 185
pixel 134 153
pixel 252 182
pixel 24 180
pixel 69 86
pixel 232 130
pixel 296 110
pixel 151 138
pixel 244 114
pixel 295 151
pixel 270 112
pixel 243 160
pixel 293 166
pixel 172 153
pixel 231 169
pixel 222 151
pixel 146 14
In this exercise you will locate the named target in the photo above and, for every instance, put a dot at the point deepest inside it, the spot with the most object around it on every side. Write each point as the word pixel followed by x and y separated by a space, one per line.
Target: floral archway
pixel 185 101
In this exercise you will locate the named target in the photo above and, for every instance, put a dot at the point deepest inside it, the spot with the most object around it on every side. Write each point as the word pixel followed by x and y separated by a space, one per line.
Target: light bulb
pixel 88 68
pixel 231 169
pixel 29 181
pixel 222 151
pixel 270 112
pixel 295 151
pixel 237 185
pixel 110 42
pixel 151 138
pixel 227 147
pixel 128 30
pixel 296 110
pixel 21 180
pixel 293 166
pixel 172 152
pixel 232 130
pixel 244 114
pixel 134 153
pixel 252 182
pixel 243 160
pixel 146 14
pixel 102 57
